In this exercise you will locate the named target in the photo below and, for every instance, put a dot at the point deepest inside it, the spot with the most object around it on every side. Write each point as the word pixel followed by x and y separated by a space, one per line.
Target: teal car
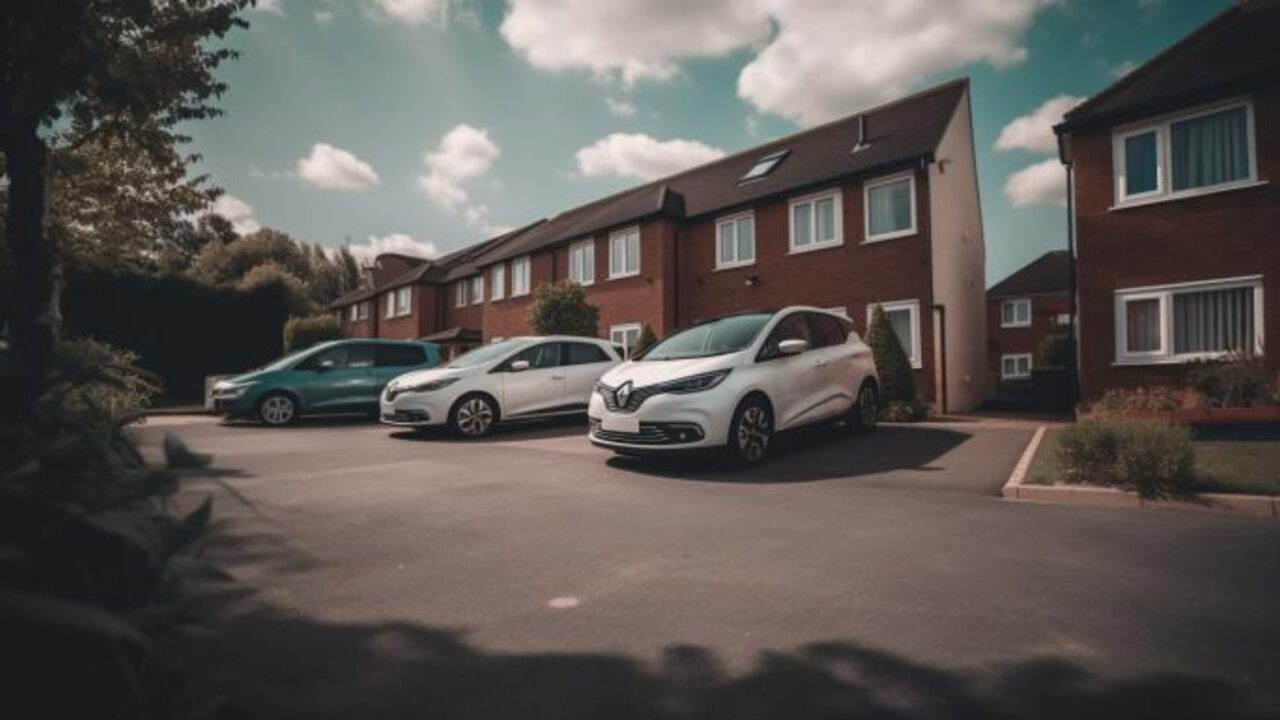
pixel 342 376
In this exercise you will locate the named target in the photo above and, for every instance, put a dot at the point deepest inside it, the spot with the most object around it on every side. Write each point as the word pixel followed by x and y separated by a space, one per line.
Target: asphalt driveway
pixel 531 575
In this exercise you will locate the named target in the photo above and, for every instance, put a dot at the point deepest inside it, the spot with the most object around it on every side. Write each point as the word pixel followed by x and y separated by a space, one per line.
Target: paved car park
pixel 383 574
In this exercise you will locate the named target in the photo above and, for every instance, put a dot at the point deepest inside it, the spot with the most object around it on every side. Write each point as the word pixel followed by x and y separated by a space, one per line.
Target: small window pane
pixel 1213 321
pixel 1142 324
pixel 803 219
pixel 889 207
pixel 1210 150
pixel 726 243
pixel 900 321
pixel 746 240
pixel 1140 163
pixel 826 211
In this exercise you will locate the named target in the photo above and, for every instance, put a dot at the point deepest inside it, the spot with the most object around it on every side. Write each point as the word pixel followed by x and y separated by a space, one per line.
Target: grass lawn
pixel 1226 466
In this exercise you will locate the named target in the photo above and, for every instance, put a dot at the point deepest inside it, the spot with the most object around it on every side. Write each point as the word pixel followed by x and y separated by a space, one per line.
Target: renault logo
pixel 623 393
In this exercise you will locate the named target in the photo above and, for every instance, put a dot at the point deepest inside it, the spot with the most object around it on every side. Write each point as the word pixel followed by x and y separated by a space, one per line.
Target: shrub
pixel 1154 459
pixel 1121 401
pixel 101 386
pixel 303 332
pixel 561 308
pixel 897 379
pixel 1241 380
pixel 647 339
pixel 903 411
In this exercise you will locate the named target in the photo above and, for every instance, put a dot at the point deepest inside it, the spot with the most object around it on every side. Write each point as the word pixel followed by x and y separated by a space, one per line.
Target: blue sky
pixel 425 125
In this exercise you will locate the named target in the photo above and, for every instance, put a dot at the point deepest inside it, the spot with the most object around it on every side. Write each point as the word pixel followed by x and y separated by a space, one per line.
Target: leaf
pixel 56 614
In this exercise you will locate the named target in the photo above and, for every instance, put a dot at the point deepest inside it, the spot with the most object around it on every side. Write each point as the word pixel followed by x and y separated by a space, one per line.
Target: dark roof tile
pixel 1049 274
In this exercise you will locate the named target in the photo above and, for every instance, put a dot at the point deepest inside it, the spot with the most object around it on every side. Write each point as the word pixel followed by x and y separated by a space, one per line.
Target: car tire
pixel 865 412
pixel 473 416
pixel 277 409
pixel 750 432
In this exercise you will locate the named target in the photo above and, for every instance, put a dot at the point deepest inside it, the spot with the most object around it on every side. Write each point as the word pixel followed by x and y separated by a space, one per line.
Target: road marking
pixel 564 603
pixel 1010 489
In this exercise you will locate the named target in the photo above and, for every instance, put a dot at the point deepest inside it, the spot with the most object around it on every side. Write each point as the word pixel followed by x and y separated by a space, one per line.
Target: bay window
pixel 1189 321
pixel 736 241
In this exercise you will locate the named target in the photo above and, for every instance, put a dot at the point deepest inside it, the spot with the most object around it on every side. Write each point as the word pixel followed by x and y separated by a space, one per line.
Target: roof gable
pixel 1049 274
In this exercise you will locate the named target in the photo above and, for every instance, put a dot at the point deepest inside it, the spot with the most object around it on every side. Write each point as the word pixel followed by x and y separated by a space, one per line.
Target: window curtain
pixel 1213 321
pixel 890 207
pixel 1142 325
pixel 1140 163
pixel 1210 150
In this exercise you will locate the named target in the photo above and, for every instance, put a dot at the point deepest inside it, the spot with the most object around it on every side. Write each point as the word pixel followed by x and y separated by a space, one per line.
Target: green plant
pixel 1240 380
pixel 561 308
pixel 101 386
pixel 303 332
pixel 1123 401
pixel 1154 459
pixel 1058 350
pixel 897 379
pixel 647 339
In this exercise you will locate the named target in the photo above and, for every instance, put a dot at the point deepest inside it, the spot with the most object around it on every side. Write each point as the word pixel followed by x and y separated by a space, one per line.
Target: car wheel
pixel 750 432
pixel 473 416
pixel 865 412
pixel 277 409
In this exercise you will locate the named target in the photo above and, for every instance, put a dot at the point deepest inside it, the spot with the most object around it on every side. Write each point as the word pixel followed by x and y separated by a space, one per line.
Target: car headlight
pixel 395 389
pixel 694 383
pixel 230 392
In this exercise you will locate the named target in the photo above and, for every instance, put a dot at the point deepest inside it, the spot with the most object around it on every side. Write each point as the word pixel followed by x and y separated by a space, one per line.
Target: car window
pixel 827 330
pixel 486 353
pixel 792 327
pixel 335 355
pixel 577 353
pixel 715 337
pixel 546 355
pixel 360 355
pixel 400 355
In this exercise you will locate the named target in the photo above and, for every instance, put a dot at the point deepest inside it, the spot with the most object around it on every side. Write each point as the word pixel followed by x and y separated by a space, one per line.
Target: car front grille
pixel 406 416
pixel 634 401
pixel 650 434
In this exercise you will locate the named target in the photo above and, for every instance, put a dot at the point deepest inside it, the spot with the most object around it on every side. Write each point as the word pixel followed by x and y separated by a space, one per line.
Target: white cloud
pixel 411 12
pixel 641 156
pixel 1044 183
pixel 1123 69
pixel 324 16
pixel 620 108
pixel 399 243
pixel 238 212
pixel 465 154
pixel 333 168
pixel 801 70
pixel 1034 131
pixel 275 7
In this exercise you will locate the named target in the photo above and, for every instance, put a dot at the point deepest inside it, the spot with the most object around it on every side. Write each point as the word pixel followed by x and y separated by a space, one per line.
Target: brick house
pixel 1175 207
pixel 1023 310
pixel 784 223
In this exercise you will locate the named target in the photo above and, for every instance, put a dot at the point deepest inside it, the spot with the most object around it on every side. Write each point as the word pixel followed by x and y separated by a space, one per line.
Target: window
pixel 540 357
pixel 354 313
pixel 827 330
pixel 582 262
pixel 364 310
pixel 577 353
pixel 403 296
pixel 1015 367
pixel 1186 154
pixel 520 276
pixel 360 355
pixel 460 293
pixel 904 318
pixel 498 281
pixel 390 311
pixel 736 241
pixel 1015 313
pixel 764 165
pixel 477 289
pixel 625 335
pixel 624 253
pixel 816 222
pixel 400 355
pixel 1190 321
pixel 890 208
pixel 793 327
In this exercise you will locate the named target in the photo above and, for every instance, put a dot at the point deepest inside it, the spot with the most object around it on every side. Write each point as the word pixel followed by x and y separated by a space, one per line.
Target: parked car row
pixel 730 383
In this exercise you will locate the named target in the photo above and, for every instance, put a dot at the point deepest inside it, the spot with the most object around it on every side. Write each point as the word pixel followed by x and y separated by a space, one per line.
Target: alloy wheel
pixel 753 432
pixel 474 417
pixel 277 410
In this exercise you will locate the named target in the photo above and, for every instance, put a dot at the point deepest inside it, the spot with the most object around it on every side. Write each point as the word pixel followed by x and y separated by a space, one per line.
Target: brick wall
pixel 1223 235
pixel 1015 340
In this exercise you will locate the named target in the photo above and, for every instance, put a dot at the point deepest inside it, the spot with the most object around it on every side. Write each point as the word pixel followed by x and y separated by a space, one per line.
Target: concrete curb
pixel 1090 496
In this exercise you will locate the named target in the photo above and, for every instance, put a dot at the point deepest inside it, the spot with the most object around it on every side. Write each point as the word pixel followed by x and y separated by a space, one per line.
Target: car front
pixel 680 394
pixel 238 396
pixel 423 398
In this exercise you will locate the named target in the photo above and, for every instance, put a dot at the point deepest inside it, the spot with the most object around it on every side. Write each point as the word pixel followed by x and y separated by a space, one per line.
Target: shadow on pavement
pixel 815 453
pixel 504 433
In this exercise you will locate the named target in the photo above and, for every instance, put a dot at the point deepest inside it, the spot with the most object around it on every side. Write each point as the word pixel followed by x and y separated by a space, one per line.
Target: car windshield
pixel 487 353
pixel 287 360
pixel 726 335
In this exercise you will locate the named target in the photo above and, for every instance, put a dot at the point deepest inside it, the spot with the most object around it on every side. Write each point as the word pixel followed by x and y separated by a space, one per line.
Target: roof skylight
pixel 764 165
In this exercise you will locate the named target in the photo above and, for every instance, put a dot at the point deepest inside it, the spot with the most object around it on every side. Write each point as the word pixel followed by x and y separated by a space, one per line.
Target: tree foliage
pixel 312 277
pixel 646 340
pixel 561 308
pixel 897 379
pixel 303 332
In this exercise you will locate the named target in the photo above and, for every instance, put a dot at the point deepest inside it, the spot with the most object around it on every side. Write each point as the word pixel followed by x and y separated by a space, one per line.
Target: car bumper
pixel 664 423
pixel 413 410
pixel 242 406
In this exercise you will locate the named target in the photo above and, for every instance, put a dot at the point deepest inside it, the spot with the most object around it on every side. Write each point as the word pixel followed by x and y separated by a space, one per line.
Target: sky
pixel 422 126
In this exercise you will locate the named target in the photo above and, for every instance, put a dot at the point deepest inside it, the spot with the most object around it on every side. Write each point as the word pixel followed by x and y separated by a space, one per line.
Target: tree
pixel 645 341
pixel 562 309
pixel 303 332
pixel 350 268
pixel 79 72
pixel 897 379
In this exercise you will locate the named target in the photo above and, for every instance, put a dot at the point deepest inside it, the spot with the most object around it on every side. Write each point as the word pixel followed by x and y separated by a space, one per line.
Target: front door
pixel 537 389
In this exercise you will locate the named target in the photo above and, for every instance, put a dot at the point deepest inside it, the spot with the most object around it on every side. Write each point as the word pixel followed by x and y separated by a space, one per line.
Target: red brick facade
pixel 1048 314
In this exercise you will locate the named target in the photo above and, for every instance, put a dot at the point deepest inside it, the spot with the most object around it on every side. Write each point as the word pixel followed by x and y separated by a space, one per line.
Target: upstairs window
pixel 890 207
pixel 1015 313
pixel 364 310
pixel 355 313
pixel 582 262
pixel 520 276
pixel 498 281
pixel 736 241
pixel 816 222
pixel 391 305
pixel 477 289
pixel 404 297
pixel 1186 154
pixel 460 293
pixel 624 253
pixel 764 166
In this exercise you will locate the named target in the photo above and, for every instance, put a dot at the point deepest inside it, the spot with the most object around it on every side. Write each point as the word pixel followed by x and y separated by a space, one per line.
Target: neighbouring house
pixel 1023 311
pixel 879 208
pixel 1175 206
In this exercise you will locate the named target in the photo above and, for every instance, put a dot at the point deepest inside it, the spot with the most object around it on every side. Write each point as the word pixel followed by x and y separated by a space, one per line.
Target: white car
pixel 520 378
pixel 733 381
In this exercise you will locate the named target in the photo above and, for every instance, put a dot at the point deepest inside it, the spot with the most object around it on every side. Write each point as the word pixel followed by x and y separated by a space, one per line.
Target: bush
pixel 897 379
pixel 646 341
pixel 561 308
pixel 101 386
pixel 1154 459
pixel 901 411
pixel 303 332
pixel 1122 401
pixel 1241 380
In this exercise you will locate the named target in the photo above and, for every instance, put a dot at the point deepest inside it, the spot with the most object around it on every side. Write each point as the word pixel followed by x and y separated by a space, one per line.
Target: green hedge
pixel 181 329
pixel 303 332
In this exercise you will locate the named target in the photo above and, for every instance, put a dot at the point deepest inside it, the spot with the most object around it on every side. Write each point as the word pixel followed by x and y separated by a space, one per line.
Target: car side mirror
pixel 794 346
pixel 519 366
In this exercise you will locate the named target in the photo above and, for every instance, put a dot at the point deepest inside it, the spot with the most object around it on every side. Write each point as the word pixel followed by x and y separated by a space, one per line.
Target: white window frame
pixel 364 310
pixel 390 310
pixel 732 222
pixel 1015 303
pixel 354 313
pixel 624 235
pixel 1014 358
pixel 404 300
pixel 498 281
pixel 910 176
pixel 1165 293
pixel 1164 155
pixel 812 202
pixel 520 275
pixel 623 329
pixel 460 290
pixel 477 289
pixel 586 247
pixel 912 306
